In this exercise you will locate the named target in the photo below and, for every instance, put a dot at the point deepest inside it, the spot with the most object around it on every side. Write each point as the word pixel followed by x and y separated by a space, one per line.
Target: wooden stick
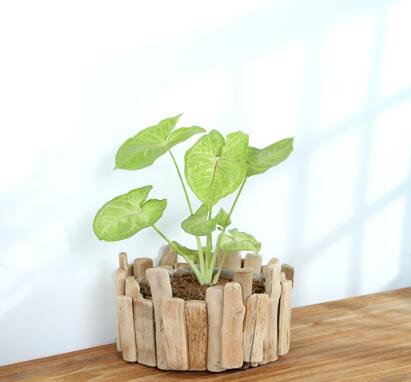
pixel 160 286
pixel 273 289
pixel 232 260
pixel 282 277
pixel 168 257
pixel 169 268
pixel 182 266
pixel 255 327
pixel 122 261
pixel 232 327
pixel 284 318
pixel 196 321
pixel 140 266
pixel 214 300
pixel 253 260
pixel 244 276
pixel 144 329
pixel 274 260
pixel 173 326
pixel 120 281
pixel 130 270
pixel 132 287
pixel 289 272
pixel 126 321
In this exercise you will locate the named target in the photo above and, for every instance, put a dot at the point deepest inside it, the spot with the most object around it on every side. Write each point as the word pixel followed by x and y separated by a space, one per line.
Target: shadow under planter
pixel 231 328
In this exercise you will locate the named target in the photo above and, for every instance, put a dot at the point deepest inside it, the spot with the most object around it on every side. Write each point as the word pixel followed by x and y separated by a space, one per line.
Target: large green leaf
pixel 184 251
pixel 197 224
pixel 214 167
pixel 222 218
pixel 260 160
pixel 238 241
pixel 127 214
pixel 149 144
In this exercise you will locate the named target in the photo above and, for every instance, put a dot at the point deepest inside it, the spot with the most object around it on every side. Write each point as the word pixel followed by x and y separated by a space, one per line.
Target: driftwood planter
pixel 231 329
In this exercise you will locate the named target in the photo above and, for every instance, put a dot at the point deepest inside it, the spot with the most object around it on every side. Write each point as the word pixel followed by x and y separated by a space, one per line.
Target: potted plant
pixel 215 311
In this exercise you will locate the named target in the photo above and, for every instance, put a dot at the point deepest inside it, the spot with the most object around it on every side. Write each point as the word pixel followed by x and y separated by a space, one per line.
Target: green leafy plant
pixel 215 167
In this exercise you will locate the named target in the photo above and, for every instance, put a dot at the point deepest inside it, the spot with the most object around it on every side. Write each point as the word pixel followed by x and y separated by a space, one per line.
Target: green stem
pixel 217 248
pixel 190 263
pixel 199 244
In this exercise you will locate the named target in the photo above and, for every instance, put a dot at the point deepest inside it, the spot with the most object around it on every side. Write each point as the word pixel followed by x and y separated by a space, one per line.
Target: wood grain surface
pixel 359 339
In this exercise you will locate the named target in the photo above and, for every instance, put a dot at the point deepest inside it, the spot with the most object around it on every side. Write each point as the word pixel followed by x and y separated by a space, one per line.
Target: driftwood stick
pixel 244 276
pixel 284 320
pixel 120 281
pixel 289 272
pixel 144 329
pixel 160 286
pixel 214 300
pixel 230 260
pixel 272 279
pixel 253 260
pixel 140 266
pixel 255 327
pixel 127 335
pixel 130 270
pixel 168 257
pixel 196 321
pixel 182 266
pixel 122 261
pixel 132 287
pixel 173 325
pixel 232 327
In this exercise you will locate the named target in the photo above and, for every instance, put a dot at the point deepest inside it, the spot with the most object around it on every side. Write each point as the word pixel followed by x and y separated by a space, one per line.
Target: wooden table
pixel 364 338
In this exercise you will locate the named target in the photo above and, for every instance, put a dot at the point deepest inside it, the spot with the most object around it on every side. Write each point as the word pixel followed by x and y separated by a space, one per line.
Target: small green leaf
pixel 238 241
pixel 146 146
pixel 182 134
pixel 197 224
pixel 260 160
pixel 184 251
pixel 214 167
pixel 222 219
pixel 127 214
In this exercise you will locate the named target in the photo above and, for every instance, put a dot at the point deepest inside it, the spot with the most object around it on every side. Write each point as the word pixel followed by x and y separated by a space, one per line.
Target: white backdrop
pixel 79 77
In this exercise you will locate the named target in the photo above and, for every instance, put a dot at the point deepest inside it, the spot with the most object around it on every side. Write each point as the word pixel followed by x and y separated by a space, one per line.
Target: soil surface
pixel 185 285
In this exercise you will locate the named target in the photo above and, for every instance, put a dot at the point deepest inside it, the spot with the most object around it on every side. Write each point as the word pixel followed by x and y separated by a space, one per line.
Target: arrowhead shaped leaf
pixel 185 252
pixel 127 214
pixel 214 167
pixel 198 224
pixel 222 219
pixel 151 143
pixel 238 241
pixel 260 160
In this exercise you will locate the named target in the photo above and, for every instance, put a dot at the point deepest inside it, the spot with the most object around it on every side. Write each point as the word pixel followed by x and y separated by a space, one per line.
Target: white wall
pixel 78 77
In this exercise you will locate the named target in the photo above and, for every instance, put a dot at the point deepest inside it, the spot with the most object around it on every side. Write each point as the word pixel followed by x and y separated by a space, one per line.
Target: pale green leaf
pixel 238 241
pixel 197 224
pixel 146 146
pixel 222 218
pixel 184 251
pixel 214 167
pixel 260 160
pixel 127 214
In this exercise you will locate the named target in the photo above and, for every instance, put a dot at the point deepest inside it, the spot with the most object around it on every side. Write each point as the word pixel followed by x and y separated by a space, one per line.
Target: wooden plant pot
pixel 231 329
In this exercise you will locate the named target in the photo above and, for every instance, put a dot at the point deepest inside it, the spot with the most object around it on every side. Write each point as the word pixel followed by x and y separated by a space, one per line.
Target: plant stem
pixel 190 263
pixel 199 244
pixel 217 248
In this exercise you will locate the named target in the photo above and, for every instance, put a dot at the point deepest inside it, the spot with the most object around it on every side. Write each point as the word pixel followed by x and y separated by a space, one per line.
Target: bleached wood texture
pixel 126 323
pixel 214 300
pixel 144 330
pixel 122 261
pixel 140 265
pixel 255 327
pixel 244 276
pixel 160 286
pixel 273 290
pixel 282 277
pixel 130 270
pixel 120 281
pixel 182 266
pixel 173 326
pixel 196 322
pixel 168 257
pixel 253 260
pixel 284 318
pixel 132 287
pixel 289 272
pixel 230 260
pixel 169 268
pixel 232 327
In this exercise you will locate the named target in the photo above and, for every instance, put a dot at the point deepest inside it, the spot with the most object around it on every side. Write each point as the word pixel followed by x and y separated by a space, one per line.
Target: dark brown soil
pixel 185 285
